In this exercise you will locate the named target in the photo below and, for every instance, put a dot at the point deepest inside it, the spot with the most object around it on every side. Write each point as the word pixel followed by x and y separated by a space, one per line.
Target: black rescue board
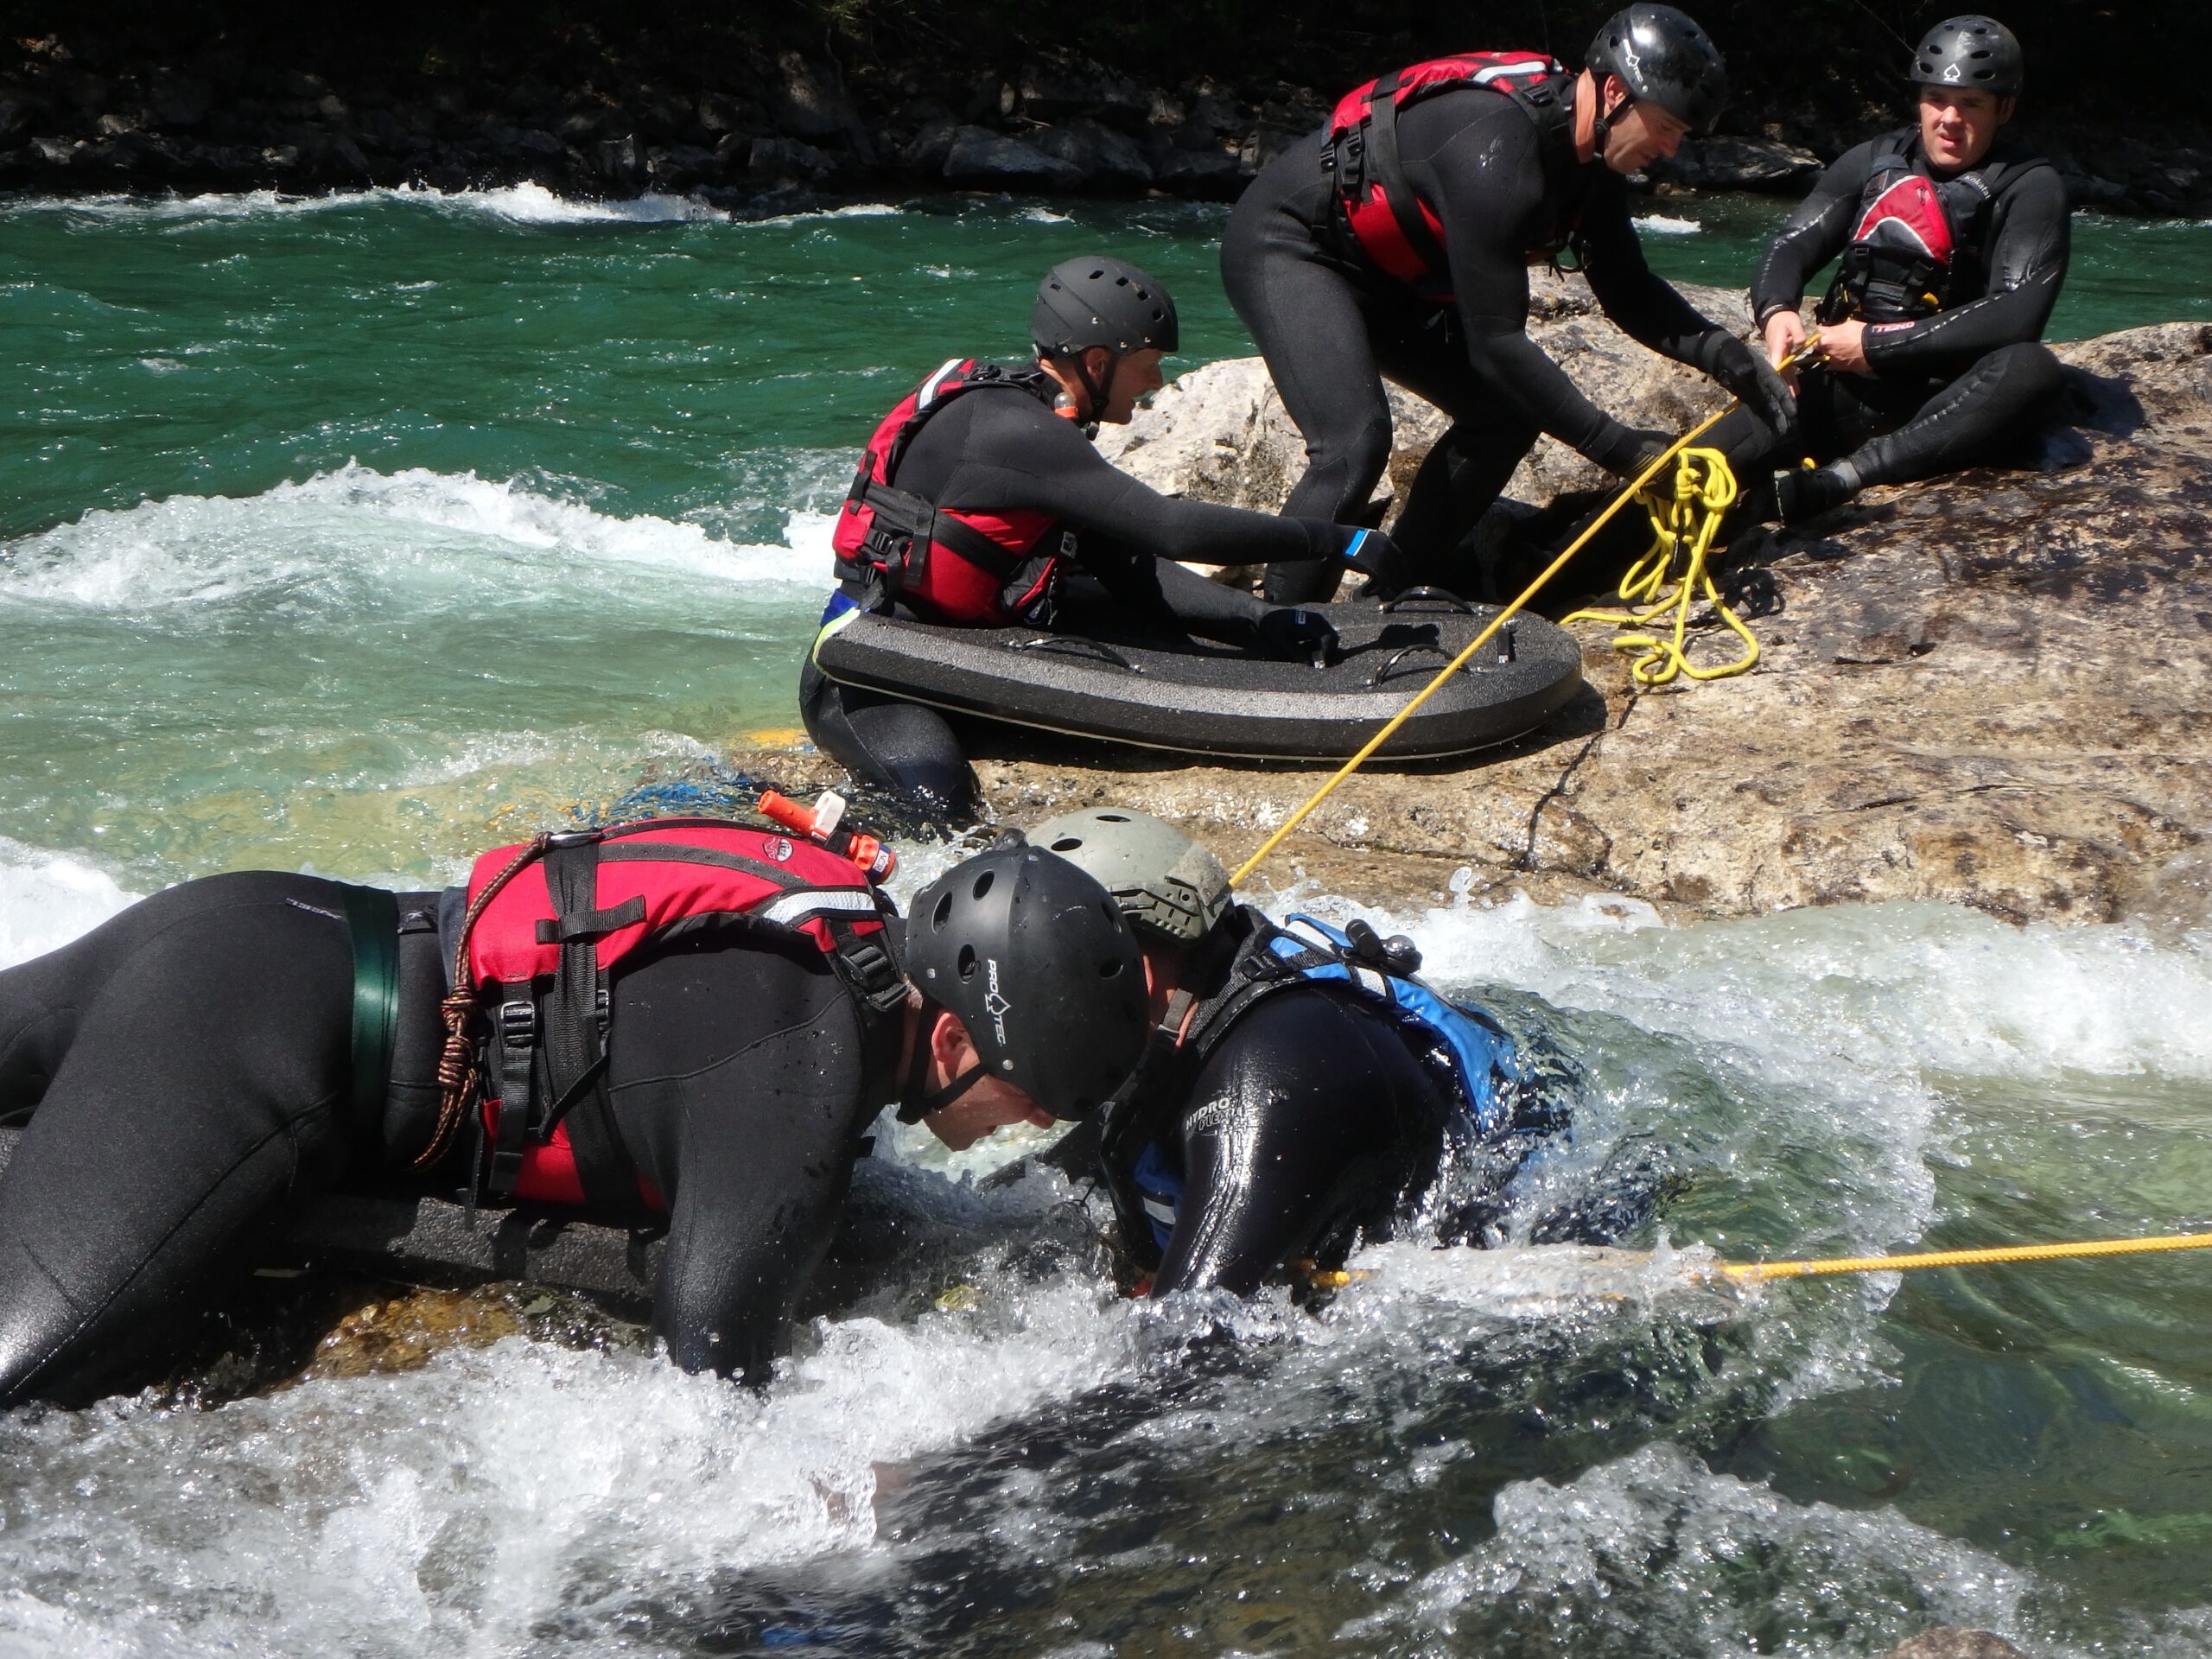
pixel 433 1241
pixel 1123 683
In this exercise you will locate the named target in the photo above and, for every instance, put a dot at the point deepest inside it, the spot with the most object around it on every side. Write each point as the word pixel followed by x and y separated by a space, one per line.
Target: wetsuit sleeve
pixel 1487 185
pixel 1208 609
pixel 1814 234
pixel 740 1089
pixel 1647 307
pixel 2028 249
pixel 1309 1121
pixel 1042 463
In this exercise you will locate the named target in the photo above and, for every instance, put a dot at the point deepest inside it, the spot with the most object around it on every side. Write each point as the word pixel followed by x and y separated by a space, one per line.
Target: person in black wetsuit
pixel 1302 1090
pixel 195 1070
pixel 1954 246
pixel 1396 243
pixel 980 502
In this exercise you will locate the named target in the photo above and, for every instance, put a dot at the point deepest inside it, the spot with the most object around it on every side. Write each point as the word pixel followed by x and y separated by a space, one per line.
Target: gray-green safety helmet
pixel 1664 58
pixel 1101 300
pixel 1973 53
pixel 1165 882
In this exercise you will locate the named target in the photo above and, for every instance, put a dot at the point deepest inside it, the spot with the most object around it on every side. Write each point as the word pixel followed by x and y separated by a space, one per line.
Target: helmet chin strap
pixel 914 1105
pixel 1095 391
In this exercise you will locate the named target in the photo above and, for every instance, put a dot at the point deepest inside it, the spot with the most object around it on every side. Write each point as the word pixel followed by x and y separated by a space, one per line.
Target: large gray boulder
pixel 1993 688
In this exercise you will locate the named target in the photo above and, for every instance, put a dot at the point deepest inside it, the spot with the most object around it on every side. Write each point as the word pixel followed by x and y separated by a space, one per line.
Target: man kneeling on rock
pixel 679 1021
pixel 980 502
pixel 1954 246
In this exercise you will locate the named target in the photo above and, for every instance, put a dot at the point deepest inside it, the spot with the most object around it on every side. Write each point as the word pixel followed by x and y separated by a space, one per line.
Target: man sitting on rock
pixel 1954 247
pixel 980 497
pixel 680 1021
pixel 1397 242
pixel 1302 1087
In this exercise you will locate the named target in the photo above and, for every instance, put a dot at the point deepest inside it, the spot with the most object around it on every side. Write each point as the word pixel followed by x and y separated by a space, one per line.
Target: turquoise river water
pixel 350 534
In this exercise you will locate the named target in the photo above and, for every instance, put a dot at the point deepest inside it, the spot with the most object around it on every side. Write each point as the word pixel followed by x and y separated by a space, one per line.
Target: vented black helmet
pixel 1973 53
pixel 1101 302
pixel 1036 959
pixel 1665 59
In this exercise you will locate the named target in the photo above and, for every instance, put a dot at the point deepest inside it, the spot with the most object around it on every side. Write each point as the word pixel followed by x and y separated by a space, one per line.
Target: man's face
pixel 1137 375
pixel 1640 131
pixel 986 1104
pixel 1959 124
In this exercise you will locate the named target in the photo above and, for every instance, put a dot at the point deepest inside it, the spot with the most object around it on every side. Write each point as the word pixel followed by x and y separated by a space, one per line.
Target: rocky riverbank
pixel 1992 689
pixel 756 129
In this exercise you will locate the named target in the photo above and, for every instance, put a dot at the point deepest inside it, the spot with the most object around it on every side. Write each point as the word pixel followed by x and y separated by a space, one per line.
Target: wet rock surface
pixel 1993 688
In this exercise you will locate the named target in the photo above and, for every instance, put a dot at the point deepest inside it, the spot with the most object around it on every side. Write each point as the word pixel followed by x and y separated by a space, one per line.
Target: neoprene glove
pixel 1297 635
pixel 1387 568
pixel 1752 379
pixel 1632 450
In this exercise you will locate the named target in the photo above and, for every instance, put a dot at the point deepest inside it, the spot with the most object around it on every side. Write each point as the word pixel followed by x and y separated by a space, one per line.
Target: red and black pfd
pixel 551 918
pixel 984 569
pixel 1374 207
pixel 1918 242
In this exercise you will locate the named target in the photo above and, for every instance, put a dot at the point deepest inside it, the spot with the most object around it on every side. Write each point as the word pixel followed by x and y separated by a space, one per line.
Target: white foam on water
pixel 525 204
pixel 1906 988
pixel 1655 1554
pixel 48 899
pixel 198 549
pixel 1661 225
pixel 455 1509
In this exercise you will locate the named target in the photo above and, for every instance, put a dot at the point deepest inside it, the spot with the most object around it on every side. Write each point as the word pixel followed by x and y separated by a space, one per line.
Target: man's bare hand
pixel 1785 333
pixel 1843 346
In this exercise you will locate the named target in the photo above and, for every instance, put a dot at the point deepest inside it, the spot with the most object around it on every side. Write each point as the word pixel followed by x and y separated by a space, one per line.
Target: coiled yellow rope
pixel 1684 521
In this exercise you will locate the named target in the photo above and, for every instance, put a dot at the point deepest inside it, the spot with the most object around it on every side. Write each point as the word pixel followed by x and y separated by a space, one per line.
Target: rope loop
pixel 1685 516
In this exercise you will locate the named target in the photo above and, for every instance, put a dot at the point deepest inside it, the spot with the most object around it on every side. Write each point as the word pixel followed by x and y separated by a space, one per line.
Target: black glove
pixel 1297 635
pixel 1632 449
pixel 1385 563
pixel 1746 372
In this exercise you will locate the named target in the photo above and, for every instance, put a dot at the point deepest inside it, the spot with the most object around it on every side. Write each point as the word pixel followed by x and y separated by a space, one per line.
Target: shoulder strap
pixel 1390 176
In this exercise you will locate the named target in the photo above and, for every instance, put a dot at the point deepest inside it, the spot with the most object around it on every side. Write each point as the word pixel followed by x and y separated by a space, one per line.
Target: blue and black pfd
pixel 1466 1047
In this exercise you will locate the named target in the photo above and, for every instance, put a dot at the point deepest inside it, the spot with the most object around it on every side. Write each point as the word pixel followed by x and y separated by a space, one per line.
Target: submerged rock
pixel 1993 688
pixel 1948 1642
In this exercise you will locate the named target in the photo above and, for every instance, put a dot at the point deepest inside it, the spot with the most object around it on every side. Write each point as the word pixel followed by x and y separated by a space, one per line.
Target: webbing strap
pixel 575 1053
pixel 1381 160
pixel 373 922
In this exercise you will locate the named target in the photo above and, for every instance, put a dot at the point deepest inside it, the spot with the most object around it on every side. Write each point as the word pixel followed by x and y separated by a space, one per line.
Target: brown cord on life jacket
pixel 458 1069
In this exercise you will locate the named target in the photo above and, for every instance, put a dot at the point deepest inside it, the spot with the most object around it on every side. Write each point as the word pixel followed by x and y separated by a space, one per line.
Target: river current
pixel 351 535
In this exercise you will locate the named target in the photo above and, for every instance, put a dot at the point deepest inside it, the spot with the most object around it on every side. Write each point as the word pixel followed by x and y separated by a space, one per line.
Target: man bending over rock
pixel 980 502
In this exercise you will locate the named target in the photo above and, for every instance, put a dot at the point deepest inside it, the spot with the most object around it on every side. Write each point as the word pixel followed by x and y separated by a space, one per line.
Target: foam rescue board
pixel 1122 682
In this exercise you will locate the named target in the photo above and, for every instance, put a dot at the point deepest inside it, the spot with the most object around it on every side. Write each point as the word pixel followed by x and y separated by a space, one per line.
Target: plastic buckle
pixel 575 837
pixel 882 987
pixel 517 1024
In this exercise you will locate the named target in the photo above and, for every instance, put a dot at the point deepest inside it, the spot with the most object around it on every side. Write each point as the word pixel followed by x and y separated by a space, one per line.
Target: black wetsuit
pixel 1304 1119
pixel 1952 389
pixel 1332 326
pixel 996 452
pixel 186 1074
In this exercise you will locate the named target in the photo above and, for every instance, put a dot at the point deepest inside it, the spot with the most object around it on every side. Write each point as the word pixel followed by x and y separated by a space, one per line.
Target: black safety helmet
pixel 1974 53
pixel 1100 302
pixel 1036 959
pixel 1665 59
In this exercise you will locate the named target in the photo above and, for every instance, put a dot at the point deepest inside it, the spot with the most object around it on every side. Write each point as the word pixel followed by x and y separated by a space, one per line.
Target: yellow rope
pixel 1752 1271
pixel 1481 640
pixel 1683 522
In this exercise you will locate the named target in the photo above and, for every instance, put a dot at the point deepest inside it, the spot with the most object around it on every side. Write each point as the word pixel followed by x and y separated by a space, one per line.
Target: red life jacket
pixel 1396 231
pixel 979 569
pixel 539 953
pixel 1919 243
